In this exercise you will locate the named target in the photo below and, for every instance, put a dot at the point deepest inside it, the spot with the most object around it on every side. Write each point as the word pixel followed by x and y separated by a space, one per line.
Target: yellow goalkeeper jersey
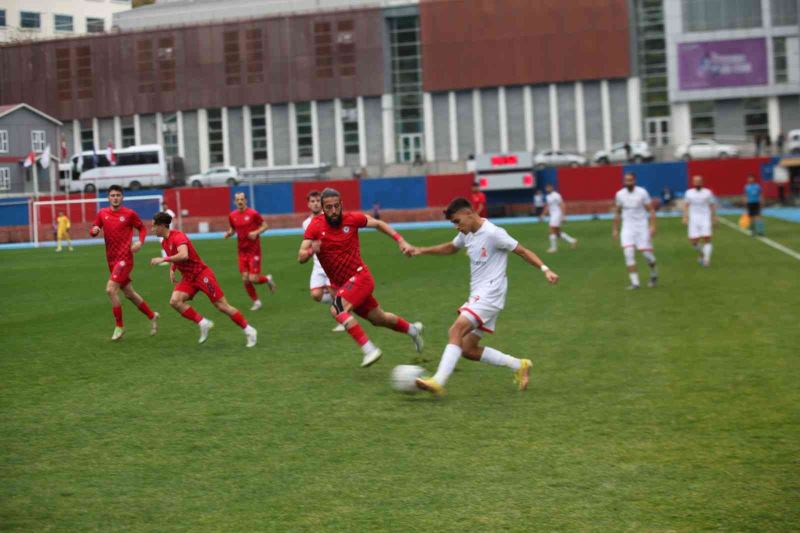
pixel 63 223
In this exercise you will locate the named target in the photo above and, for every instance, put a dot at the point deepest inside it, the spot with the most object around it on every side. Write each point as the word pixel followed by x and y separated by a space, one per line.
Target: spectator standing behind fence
pixel 758 139
pixel 666 198
pixel 779 140
pixel 538 204
pixel 478 200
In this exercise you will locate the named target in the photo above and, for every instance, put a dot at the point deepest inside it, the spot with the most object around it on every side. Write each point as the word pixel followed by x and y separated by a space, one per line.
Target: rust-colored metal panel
pixel 484 43
pixel 248 62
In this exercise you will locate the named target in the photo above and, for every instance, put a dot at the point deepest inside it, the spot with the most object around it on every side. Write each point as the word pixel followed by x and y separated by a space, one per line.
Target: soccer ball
pixel 403 377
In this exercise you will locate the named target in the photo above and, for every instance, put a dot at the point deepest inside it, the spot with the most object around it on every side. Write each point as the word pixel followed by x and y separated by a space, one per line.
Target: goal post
pixel 82 212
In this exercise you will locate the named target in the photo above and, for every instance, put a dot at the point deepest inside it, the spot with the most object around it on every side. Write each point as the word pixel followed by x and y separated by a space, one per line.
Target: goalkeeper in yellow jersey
pixel 63 230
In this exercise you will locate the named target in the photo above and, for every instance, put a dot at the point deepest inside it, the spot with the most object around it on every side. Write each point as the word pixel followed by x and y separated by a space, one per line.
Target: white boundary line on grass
pixel 769 242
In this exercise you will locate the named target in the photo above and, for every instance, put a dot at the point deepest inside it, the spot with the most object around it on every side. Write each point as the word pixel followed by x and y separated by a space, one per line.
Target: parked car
pixel 793 142
pixel 214 177
pixel 705 149
pixel 557 158
pixel 639 152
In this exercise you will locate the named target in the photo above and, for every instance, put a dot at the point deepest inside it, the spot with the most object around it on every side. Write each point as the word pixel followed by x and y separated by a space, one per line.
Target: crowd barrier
pixel 725 177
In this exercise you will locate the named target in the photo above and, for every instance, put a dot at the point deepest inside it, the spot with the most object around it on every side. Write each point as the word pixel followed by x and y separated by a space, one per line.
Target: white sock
pixel 412 330
pixel 204 322
pixel 634 278
pixel 553 241
pixel 326 298
pixel 707 252
pixel 567 237
pixel 447 364
pixel 368 347
pixel 498 358
pixel 249 330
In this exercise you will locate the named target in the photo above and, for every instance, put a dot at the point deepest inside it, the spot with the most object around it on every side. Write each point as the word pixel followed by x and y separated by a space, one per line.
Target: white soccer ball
pixel 403 377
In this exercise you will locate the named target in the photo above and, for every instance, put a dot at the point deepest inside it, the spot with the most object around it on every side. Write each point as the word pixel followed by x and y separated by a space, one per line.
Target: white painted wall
pixel 47 9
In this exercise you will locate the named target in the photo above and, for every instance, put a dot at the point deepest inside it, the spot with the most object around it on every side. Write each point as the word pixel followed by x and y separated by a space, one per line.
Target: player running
pixel 700 214
pixel 118 223
pixel 487 247
pixel 632 206
pixel 248 226
pixel 195 276
pixel 557 210
pixel 319 284
pixel 62 231
pixel 333 236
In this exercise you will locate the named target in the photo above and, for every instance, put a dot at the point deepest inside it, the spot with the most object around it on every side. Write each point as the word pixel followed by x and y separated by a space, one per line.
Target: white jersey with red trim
pixel 554 202
pixel 634 206
pixel 488 250
pixel 699 203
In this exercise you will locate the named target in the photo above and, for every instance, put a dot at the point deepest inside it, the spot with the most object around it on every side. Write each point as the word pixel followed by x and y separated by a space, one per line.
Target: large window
pixel 652 54
pixel 87 135
pixel 170 131
pixel 216 145
pixel 258 128
pixel 63 23
pixel 30 20
pixel 128 128
pixel 95 25
pixel 305 137
pixel 406 83
pixel 38 140
pixel 784 12
pixel 779 59
pixel 4 141
pixel 5 179
pixel 702 114
pixel 85 78
pixel 350 126
pixel 755 117
pixel 711 15
pixel 2 18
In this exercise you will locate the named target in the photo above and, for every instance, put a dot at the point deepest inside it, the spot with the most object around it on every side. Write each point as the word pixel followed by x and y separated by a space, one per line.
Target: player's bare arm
pixel 253 235
pixel 446 248
pixel 563 210
pixel 685 213
pixel 652 218
pixel 531 258
pixel 182 255
pixel 306 251
pixel 714 217
pixel 229 233
pixel 386 229
pixel 617 217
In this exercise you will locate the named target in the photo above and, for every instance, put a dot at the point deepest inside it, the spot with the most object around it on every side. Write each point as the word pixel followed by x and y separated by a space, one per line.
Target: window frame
pixel 56 27
pixel 4 141
pixel 5 179
pixel 38 15
pixel 38 137
pixel 3 18
pixel 89 20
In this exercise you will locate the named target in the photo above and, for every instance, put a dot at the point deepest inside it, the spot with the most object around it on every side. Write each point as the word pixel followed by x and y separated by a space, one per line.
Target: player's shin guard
pixel 403 326
pixel 262 279
pixel 117 315
pixel 191 314
pixel 567 237
pixel 450 357
pixel 239 319
pixel 251 290
pixel 356 332
pixel 553 241
pixel 498 358
pixel 651 261
pixel 144 308
pixel 707 248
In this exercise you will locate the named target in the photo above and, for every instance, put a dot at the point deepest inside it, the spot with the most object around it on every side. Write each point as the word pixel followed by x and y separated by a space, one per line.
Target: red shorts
pixel 358 291
pixel 250 263
pixel 121 272
pixel 205 282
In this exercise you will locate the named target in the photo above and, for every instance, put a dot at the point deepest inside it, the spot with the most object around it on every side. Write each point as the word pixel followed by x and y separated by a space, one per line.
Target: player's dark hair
pixel 330 193
pixel 162 219
pixel 456 205
pixel 115 188
pixel 313 194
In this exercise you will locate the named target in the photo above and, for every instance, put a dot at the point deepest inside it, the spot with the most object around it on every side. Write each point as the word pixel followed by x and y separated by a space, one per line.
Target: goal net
pixel 81 212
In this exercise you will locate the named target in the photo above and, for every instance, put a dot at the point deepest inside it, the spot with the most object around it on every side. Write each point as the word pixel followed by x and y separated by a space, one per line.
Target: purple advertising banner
pixel 735 63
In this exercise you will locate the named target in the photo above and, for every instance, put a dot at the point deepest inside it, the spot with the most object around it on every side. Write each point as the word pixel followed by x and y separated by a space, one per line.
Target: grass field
pixel 671 409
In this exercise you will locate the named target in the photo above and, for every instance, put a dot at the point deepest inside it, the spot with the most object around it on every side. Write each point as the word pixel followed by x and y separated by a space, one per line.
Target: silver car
pixel 639 153
pixel 705 149
pixel 216 176
pixel 557 158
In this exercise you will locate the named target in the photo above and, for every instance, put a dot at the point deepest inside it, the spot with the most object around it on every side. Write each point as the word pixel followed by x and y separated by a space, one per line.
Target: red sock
pixel 239 319
pixel 144 308
pixel 191 314
pixel 117 315
pixel 356 331
pixel 251 290
pixel 402 325
pixel 262 279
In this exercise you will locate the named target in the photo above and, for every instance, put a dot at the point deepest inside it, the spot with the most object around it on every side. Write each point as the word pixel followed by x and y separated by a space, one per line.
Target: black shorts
pixel 754 209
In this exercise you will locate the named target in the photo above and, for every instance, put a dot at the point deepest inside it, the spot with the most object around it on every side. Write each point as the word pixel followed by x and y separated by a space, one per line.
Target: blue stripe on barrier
pixel 655 176
pixel 394 193
pixel 14 211
pixel 269 198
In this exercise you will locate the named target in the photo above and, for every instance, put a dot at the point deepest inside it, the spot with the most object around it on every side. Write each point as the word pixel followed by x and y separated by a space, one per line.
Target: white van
pixel 793 142
pixel 136 167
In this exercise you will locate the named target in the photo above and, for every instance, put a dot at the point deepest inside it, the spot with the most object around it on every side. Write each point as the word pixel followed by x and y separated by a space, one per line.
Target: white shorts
pixel 556 220
pixel 699 228
pixel 637 236
pixel 482 314
pixel 318 280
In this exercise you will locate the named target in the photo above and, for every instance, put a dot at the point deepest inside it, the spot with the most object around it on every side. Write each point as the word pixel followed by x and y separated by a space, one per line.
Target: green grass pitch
pixel 671 409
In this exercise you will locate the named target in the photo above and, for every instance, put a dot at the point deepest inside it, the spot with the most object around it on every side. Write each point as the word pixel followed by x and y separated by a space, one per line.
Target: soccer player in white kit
pixel 487 247
pixel 700 215
pixel 632 206
pixel 557 210
pixel 319 285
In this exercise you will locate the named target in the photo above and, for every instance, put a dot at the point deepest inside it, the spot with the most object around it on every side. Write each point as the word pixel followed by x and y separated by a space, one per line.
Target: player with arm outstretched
pixel 700 215
pixel 248 225
pixel 195 276
pixel 555 207
pixel 634 208
pixel 333 236
pixel 117 223
pixel 487 247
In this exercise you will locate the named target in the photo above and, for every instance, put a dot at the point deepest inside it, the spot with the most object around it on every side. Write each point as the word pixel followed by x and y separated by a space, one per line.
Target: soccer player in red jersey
pixel 248 225
pixel 195 276
pixel 333 236
pixel 117 223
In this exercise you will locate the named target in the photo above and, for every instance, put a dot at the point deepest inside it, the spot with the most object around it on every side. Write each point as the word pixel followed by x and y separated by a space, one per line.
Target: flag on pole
pixel 63 149
pixel 110 155
pixel 44 159
pixel 29 159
